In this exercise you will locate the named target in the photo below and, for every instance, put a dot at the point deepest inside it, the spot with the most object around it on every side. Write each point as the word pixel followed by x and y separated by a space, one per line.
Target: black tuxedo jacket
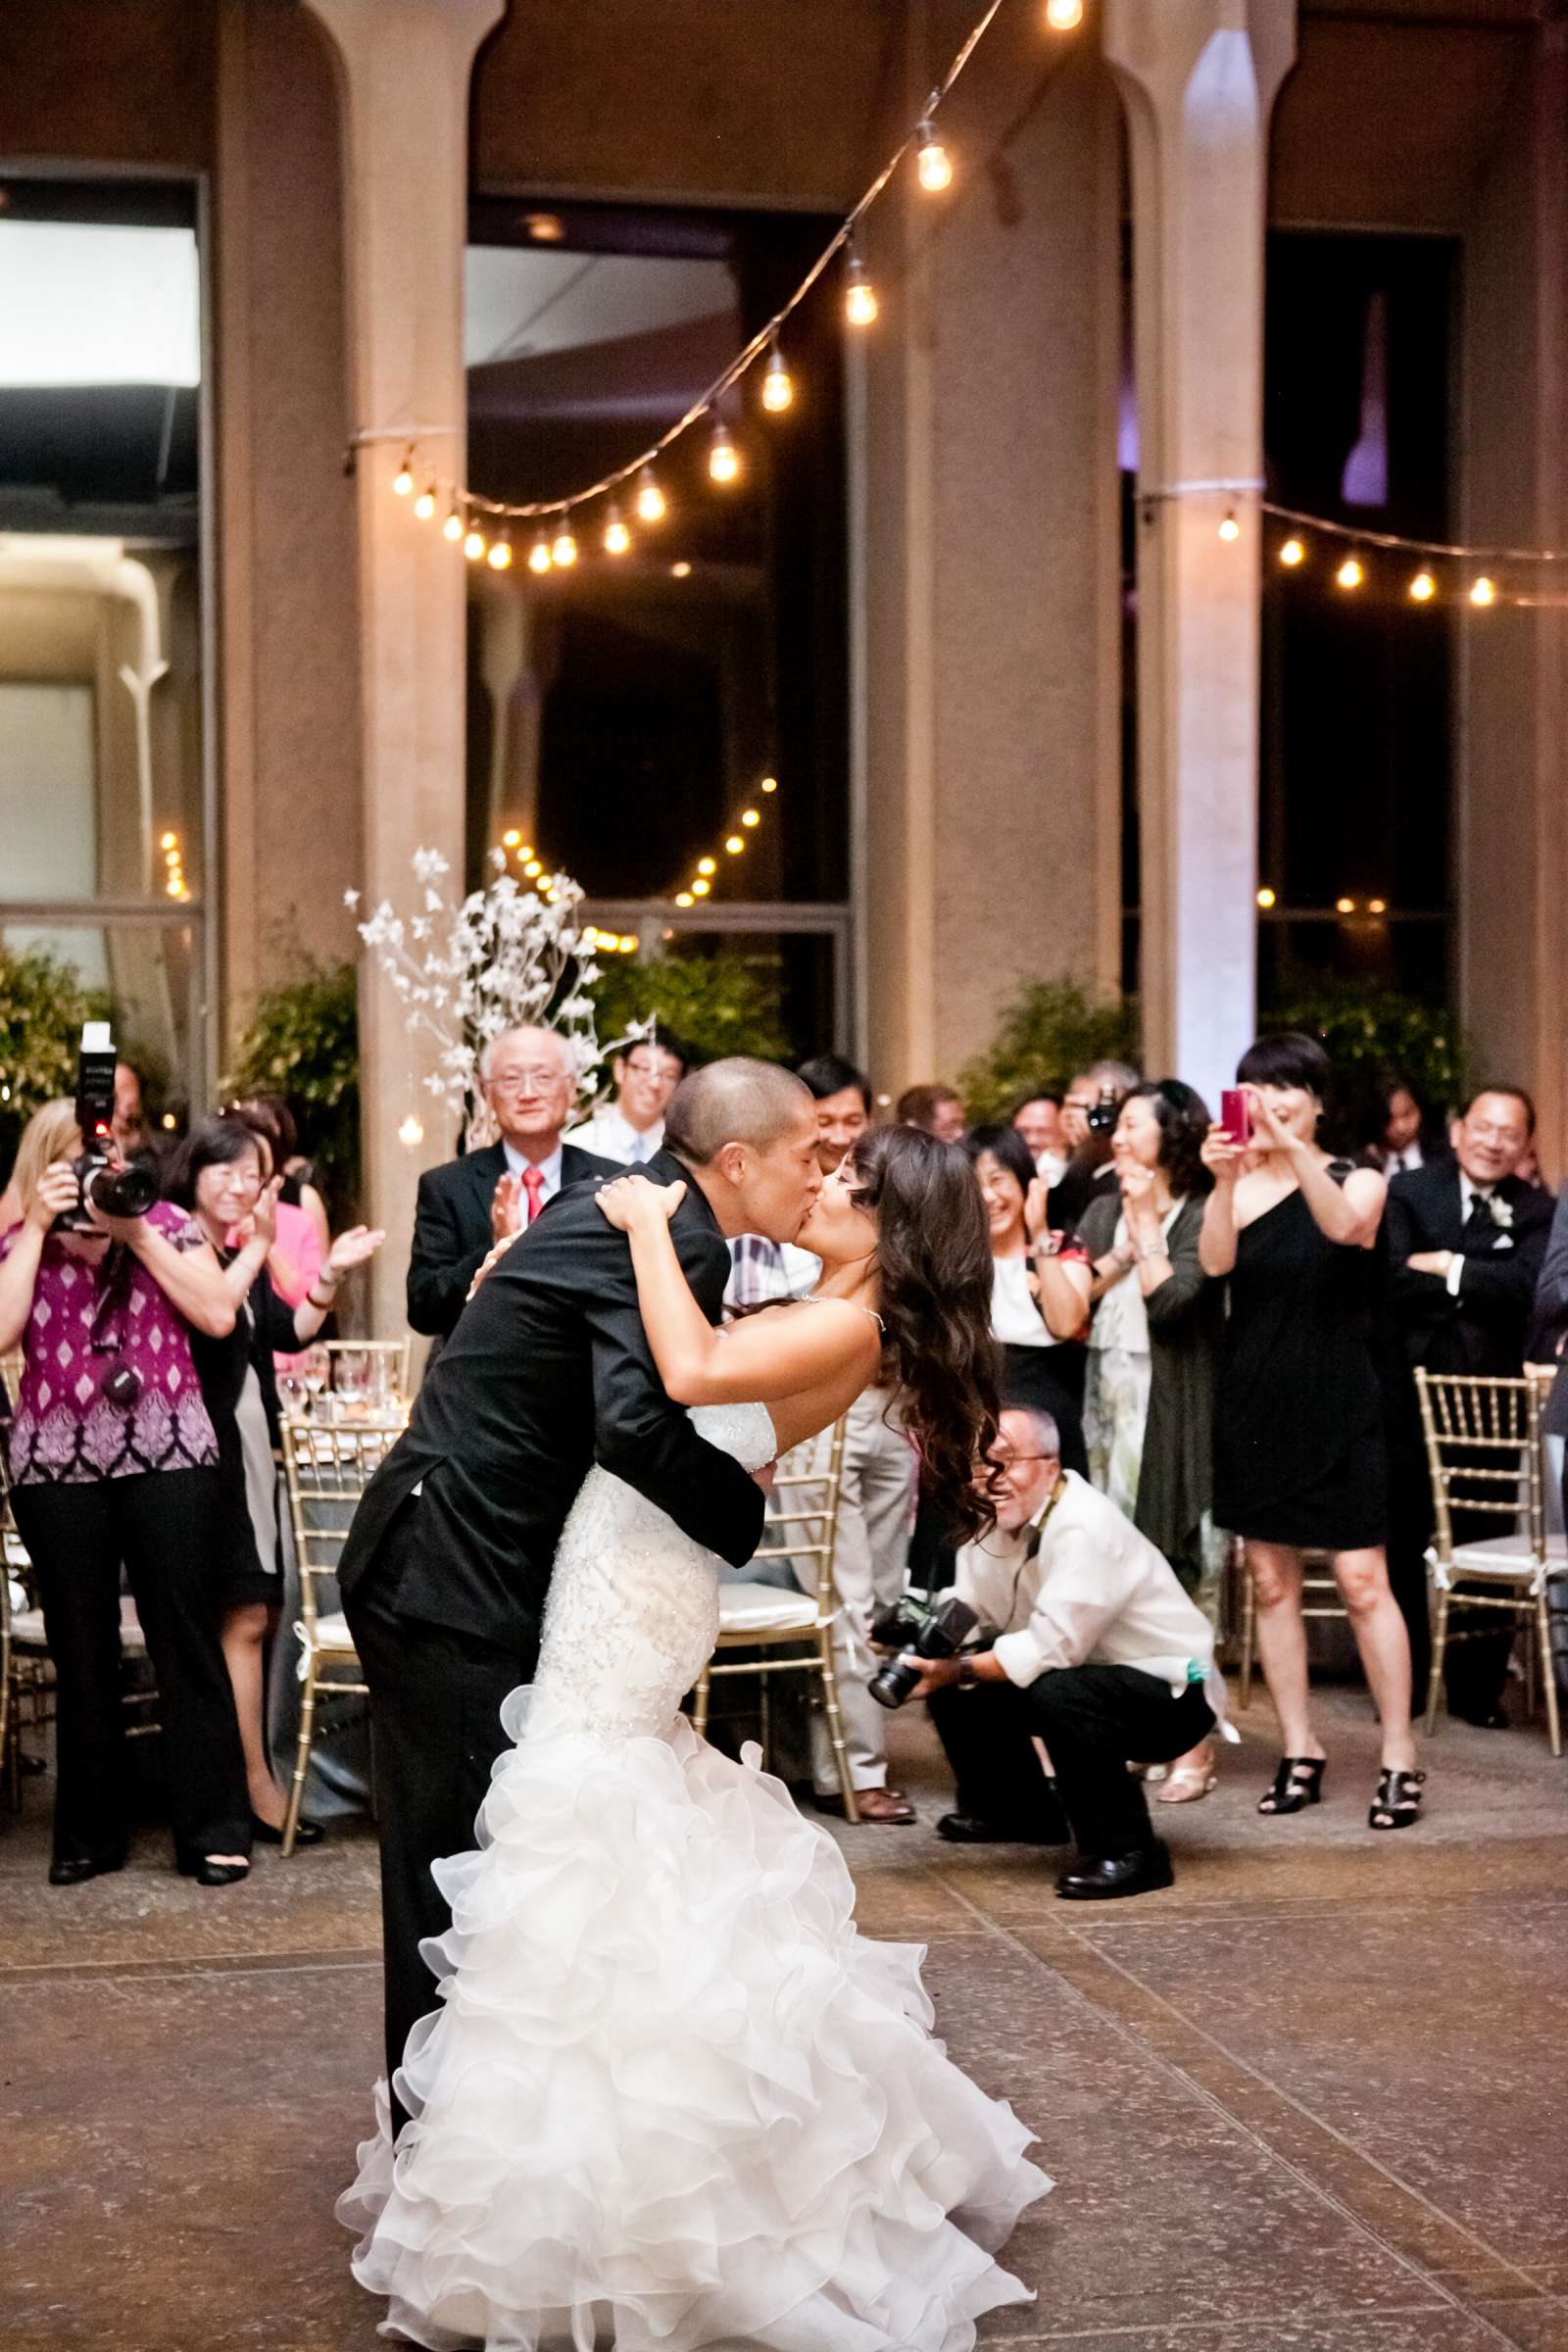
pixel 548 1371
pixel 452 1231
pixel 1483 1330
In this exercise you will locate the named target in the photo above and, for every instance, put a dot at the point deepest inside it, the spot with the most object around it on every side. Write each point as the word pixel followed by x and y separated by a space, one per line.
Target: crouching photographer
pixel 1098 1653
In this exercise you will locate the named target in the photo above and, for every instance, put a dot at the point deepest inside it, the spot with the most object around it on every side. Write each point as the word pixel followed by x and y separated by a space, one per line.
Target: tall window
pixel 632 713
pixel 1358 734
pixel 103 849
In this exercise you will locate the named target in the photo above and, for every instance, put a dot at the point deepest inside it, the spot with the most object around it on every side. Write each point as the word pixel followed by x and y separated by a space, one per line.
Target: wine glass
pixel 291 1394
pixel 353 1377
pixel 316 1370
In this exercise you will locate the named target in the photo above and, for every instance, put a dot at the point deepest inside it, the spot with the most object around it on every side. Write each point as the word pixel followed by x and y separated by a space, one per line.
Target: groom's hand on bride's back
pixel 494 1260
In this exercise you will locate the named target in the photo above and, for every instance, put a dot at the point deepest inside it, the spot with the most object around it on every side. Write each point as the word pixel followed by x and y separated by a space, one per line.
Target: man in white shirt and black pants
pixel 1098 1653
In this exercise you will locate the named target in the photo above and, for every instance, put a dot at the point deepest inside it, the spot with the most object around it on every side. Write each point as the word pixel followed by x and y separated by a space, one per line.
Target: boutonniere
pixel 1502 1212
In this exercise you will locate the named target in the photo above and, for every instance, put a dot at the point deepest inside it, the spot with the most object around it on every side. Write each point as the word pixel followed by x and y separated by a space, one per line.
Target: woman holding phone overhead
pixel 1298 1452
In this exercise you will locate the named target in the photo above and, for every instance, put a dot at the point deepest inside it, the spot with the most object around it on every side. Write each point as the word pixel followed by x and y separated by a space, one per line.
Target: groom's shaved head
pixel 732 1101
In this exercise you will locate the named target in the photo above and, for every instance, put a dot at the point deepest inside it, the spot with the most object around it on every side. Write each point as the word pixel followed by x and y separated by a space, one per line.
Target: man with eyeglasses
pixel 1097 1651
pixel 630 1128
pixel 465 1206
pixel 1467 1240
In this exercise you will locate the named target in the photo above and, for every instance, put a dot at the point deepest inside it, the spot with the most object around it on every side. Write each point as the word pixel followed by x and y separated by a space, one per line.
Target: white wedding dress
pixel 671 2099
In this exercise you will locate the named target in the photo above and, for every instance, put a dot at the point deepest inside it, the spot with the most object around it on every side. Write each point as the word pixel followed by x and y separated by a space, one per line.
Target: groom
pixel 446 1567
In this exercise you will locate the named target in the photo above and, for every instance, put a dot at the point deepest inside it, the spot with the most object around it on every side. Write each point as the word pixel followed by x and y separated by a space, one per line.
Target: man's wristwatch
pixel 967 1677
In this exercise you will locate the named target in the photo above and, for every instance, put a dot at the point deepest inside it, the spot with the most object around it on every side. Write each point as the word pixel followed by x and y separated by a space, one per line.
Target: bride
pixel 672 2100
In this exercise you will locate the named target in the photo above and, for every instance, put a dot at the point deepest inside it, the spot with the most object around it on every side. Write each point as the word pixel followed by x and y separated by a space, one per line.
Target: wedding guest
pixel 1154 1342
pixel 630 1128
pixel 221 1176
pixel 1467 1242
pixel 1299 1460
pixel 272 1117
pixel 1100 1655
pixel 1406 1137
pixel 299 1248
pixel 530 1081
pixel 936 1108
pixel 1038 1366
pixel 113 1465
pixel 1037 1119
pixel 1088 1114
pixel 876 1507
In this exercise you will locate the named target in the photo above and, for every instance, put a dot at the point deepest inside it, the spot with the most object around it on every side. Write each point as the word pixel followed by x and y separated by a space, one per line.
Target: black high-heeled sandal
pixel 1398 1803
pixel 1298 1783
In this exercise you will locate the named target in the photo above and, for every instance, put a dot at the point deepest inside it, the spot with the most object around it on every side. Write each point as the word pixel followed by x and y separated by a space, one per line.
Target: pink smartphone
pixel 1235 1115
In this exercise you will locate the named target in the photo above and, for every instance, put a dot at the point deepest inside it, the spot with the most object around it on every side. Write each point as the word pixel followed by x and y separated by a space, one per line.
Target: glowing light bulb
pixel 1423 588
pixel 707 865
pixel 680 572
pixel 1292 554
pixel 1230 528
pixel 683 898
pixel 652 505
pixel 452 528
pixel 750 816
pixel 1265 897
pixel 618 539
pixel 501 554
pixel 512 838
pixel 723 458
pixel 524 852
pixel 771 783
pixel 778 385
pixel 1345 905
pixel 564 547
pixel 1377 906
pixel 1064 15
pixel 539 557
pixel 701 887
pixel 424 504
pixel 1483 592
pixel 1350 573
pixel 932 161
pixel 168 1122
pixel 410 1132
pixel 860 295
pixel 735 845
pixel 168 841
pixel 403 479
pixel 533 869
pixel 473 544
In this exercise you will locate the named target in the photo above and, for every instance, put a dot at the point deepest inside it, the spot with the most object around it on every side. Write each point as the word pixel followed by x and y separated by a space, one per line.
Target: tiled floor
pixel 1308 2100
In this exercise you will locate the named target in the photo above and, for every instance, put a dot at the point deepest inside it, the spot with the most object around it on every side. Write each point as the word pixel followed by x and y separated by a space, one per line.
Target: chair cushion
pixel 332 1634
pixel 1509 1557
pixel 27 1628
pixel 764 1609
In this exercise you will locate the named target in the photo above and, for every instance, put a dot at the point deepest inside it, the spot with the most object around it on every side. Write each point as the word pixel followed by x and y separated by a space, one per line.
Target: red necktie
pixel 533 1184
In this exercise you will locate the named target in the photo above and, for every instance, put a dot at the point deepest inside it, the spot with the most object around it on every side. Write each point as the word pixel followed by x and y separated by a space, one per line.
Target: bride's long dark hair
pixel 933 1256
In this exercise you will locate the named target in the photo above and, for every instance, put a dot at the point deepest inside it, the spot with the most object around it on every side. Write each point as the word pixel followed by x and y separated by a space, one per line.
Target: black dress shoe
pixel 207 1872
pixel 1111 1874
pixel 72 1869
pixel 1481 1719
pixel 969 1829
pixel 306 1831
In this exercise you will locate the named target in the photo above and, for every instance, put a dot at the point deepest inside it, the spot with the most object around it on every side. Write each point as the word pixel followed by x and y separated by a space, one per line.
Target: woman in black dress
pixel 1299 1451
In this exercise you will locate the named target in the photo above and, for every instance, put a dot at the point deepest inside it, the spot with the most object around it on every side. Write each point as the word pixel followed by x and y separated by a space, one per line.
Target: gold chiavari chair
pixel 327 1463
pixel 792 1632
pixel 1484 1457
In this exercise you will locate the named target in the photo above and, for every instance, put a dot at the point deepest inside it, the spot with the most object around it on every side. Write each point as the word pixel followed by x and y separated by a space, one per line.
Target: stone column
pixel 404 73
pixel 1199 79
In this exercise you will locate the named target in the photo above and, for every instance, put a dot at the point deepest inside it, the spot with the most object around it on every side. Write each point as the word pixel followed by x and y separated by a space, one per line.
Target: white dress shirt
pixel 549 1169
pixel 612 1136
pixel 1095 1593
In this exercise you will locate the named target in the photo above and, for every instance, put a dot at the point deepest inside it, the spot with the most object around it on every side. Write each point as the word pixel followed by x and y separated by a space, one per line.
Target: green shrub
pixel 1052 1030
pixel 42 1006
pixel 715 1001
pixel 303 1041
pixel 1370 1034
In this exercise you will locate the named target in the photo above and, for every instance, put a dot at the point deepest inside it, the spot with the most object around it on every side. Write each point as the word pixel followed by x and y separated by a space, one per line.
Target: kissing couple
pixel 648 2087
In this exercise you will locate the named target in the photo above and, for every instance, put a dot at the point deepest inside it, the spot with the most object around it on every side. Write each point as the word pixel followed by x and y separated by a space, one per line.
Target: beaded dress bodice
pixel 633 1609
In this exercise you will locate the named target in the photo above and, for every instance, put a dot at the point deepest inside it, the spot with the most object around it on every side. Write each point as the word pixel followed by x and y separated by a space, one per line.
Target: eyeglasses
pixel 526 1082
pixel 651 1069
pixel 1015 1462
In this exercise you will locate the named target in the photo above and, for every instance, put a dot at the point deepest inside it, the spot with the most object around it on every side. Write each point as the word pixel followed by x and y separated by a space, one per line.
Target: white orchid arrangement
pixel 506 957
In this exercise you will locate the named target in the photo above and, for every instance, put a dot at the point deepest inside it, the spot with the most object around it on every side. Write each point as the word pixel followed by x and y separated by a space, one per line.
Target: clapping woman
pixel 222 1175
pixel 1298 1450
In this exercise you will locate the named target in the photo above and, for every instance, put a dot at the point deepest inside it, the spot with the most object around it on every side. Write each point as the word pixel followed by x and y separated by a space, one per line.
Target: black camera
pixel 113 1190
pixel 1102 1117
pixel 931 1629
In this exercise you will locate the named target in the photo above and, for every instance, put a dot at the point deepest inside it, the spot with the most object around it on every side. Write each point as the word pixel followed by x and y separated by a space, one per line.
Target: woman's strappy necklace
pixel 860 1310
